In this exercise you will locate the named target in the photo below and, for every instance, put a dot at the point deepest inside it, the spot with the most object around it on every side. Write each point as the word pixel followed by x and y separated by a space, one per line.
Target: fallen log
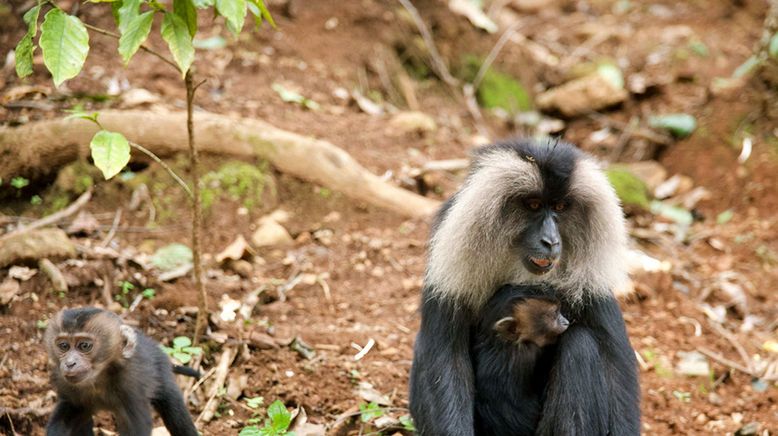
pixel 37 148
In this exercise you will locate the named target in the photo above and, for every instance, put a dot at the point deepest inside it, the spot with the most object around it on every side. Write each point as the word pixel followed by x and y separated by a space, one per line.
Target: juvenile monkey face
pixel 74 352
pixel 534 320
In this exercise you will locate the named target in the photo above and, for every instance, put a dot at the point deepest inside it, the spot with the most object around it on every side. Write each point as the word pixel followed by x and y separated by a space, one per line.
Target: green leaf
pixel 279 415
pixel 19 182
pixel 195 351
pixel 203 4
pixel 370 411
pixel 612 74
pixel 212 43
pixel 680 125
pixel 263 12
pixel 234 11
pixel 181 342
pixel 772 48
pixel 136 32
pixel 746 67
pixel 171 257
pixel 407 423
pixel 65 44
pixel 25 48
pixel 127 12
pixel 110 151
pixel 255 402
pixel 176 34
pixel 186 10
pixel 252 430
pixel 182 357
pixel 169 351
pixel 725 217
pixel 677 214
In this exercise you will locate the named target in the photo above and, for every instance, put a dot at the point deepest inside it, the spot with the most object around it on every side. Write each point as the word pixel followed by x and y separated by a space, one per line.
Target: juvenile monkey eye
pixel 84 346
pixel 63 346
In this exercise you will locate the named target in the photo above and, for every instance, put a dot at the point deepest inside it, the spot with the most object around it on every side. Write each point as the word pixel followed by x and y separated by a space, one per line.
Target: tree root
pixel 37 148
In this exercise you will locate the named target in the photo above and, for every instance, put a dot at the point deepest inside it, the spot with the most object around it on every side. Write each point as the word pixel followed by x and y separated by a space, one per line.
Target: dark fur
pixel 592 386
pixel 509 377
pixel 125 387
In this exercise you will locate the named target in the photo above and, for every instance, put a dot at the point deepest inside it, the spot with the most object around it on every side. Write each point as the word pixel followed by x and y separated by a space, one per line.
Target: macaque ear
pixel 130 340
pixel 506 327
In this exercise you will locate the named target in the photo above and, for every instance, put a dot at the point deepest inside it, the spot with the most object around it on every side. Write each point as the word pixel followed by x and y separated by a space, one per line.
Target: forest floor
pixel 352 274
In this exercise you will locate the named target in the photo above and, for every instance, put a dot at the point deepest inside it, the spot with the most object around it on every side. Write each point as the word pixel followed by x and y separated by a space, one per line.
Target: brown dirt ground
pixel 375 259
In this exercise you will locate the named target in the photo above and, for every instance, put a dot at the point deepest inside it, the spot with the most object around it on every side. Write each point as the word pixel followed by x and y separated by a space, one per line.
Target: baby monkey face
pixel 534 320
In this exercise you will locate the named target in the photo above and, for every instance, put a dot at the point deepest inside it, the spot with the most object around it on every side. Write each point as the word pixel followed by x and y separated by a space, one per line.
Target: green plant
pixel 64 42
pixel 182 350
pixel 407 422
pixel 149 293
pixel 276 424
pixel 238 181
pixel 19 182
pixel 123 296
pixel 369 412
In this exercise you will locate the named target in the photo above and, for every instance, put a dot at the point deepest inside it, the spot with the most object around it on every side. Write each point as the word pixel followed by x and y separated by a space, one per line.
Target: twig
pixel 53 218
pixel 732 340
pixel 642 133
pixel 114 225
pixel 143 47
pixel 438 65
pixel 167 168
pixel 198 383
pixel 724 361
pixel 472 106
pixel 58 282
pixel 495 51
pixel 219 377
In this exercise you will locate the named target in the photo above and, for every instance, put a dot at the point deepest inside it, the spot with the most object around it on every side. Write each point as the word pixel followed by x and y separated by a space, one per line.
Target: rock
pixel 235 251
pixel 242 267
pixel 412 122
pixel 675 185
pixel 580 96
pixel 138 96
pixel 651 172
pixel 35 245
pixel 269 233
pixel 9 289
pixel 693 364
pixel 85 223
pixel 750 429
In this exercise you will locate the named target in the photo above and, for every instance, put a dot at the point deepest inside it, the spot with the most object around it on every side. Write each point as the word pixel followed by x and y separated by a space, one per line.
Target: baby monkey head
pixel 533 320
pixel 82 342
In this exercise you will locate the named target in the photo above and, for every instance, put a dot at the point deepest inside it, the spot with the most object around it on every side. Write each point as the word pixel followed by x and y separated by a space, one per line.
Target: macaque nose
pixel 70 364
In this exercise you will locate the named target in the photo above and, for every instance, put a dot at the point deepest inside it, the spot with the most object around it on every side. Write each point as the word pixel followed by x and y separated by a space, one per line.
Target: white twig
pixel 495 51
pixel 114 225
pixel 53 218
pixel 437 61
pixel 219 377
pixel 365 349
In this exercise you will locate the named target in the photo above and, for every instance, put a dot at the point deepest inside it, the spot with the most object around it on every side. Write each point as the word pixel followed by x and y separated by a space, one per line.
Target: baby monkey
pixel 100 363
pixel 513 354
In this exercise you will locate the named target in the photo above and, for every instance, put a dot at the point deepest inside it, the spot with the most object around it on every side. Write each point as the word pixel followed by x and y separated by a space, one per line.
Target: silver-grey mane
pixel 470 252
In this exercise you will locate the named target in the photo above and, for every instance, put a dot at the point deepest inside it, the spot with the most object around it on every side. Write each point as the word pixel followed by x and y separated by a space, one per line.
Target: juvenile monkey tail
pixel 188 371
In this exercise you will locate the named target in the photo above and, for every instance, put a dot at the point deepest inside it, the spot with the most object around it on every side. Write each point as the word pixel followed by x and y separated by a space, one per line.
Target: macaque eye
pixel 534 204
pixel 63 346
pixel 560 206
pixel 84 346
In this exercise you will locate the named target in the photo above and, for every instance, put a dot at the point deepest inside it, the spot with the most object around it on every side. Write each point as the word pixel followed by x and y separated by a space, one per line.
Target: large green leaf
pixel 278 414
pixel 26 47
pixel 136 32
pixel 203 4
pixel 110 151
pixel 171 257
pixel 65 44
pixel 176 34
pixel 186 10
pixel 260 11
pixel 680 125
pixel 127 12
pixel 235 13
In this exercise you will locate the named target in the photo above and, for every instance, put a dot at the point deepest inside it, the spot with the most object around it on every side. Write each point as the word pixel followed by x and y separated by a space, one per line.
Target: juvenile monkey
pixel 513 355
pixel 99 363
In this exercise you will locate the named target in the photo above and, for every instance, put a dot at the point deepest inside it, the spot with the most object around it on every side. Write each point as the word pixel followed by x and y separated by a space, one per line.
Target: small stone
pixel 270 233
pixel 34 245
pixel 750 429
pixel 244 268
pixel 582 95
pixel 412 122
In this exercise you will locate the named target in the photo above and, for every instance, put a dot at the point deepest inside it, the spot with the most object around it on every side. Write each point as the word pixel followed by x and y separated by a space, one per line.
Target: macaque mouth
pixel 541 265
pixel 75 377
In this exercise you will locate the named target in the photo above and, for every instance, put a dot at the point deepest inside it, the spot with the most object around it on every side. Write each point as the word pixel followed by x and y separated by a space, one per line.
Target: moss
pixel 497 89
pixel 236 181
pixel 630 189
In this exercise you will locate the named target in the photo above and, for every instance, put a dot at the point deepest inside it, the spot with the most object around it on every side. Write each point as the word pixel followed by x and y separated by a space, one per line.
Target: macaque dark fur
pixel 122 371
pixel 512 366
pixel 536 214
